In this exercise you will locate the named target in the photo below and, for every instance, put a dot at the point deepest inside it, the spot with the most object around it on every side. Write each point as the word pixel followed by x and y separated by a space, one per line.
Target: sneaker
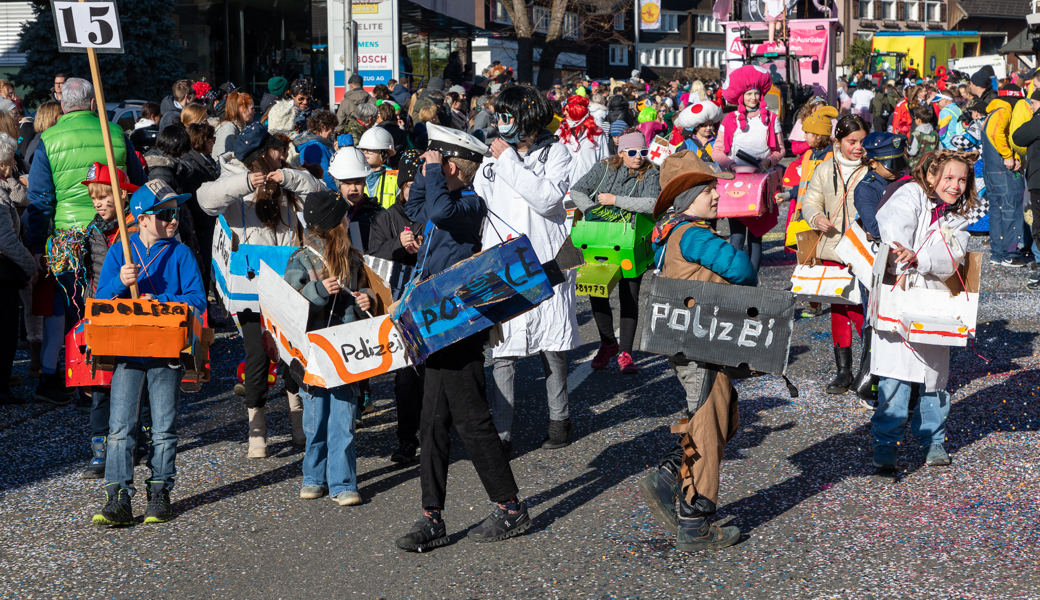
pixel 405 453
pixel 96 468
pixel 606 352
pixel 937 456
pixel 885 459
pixel 659 490
pixel 1033 285
pixel 868 404
pixel 502 524
pixel 159 509
pixel 426 534
pixel 312 492
pixel 117 511
pixel 347 498
pixel 240 389
pixel 15 381
pixel 809 312
pixel 1014 262
pixel 698 534
pixel 628 366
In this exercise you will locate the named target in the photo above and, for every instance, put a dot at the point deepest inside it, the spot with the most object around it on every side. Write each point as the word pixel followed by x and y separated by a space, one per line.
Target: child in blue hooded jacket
pixel 687 248
pixel 164 270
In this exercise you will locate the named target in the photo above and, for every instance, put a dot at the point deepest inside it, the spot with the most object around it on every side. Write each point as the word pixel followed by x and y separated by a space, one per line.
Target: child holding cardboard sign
pixel 687 248
pixel 329 272
pixel 455 389
pixel 926 226
pixel 164 270
pixel 102 232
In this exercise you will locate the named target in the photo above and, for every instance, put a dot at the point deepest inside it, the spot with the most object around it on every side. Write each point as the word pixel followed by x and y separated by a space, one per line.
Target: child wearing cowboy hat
pixel 687 248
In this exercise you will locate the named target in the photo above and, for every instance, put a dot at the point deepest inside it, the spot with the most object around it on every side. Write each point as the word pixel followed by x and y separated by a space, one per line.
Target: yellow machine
pixel 927 51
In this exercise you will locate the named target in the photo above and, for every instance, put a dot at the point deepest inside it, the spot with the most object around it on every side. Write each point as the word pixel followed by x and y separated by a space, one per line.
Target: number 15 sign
pixel 82 26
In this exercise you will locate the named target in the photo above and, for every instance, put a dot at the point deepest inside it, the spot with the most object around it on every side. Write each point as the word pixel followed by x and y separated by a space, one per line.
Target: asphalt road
pixel 795 480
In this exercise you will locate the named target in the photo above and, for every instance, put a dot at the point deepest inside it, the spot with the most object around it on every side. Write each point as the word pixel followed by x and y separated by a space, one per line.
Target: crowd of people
pixel 454 167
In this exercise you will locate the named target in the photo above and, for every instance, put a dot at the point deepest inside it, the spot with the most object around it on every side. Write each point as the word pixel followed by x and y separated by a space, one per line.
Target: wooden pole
pixel 113 168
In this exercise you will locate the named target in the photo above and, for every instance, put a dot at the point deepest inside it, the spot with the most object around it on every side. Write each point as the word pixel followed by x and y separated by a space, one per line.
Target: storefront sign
pixel 729 325
pixel 377 44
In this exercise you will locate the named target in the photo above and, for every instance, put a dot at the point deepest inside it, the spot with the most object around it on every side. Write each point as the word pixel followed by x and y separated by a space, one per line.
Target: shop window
pixel 619 21
pixel 662 57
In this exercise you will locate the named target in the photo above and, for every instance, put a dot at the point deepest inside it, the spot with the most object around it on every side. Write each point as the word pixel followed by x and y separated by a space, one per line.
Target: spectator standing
pixel 238 112
pixel 356 96
pixel 146 129
pixel 172 105
pixel 58 201
pixel 1004 185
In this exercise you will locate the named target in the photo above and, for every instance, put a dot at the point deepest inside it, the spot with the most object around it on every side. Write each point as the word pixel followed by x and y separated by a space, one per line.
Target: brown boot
pixel 296 419
pixel 257 433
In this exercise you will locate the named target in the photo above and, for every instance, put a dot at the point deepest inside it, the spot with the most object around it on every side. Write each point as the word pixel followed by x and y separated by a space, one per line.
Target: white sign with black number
pixel 85 25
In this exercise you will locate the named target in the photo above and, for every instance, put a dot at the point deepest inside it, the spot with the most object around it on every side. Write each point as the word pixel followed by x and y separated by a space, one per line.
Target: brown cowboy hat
pixel 680 172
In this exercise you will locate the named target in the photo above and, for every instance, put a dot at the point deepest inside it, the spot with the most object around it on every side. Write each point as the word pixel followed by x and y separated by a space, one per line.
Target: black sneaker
pixel 117 511
pixel 1014 262
pixel 425 535
pixel 159 509
pixel 405 453
pixel 502 524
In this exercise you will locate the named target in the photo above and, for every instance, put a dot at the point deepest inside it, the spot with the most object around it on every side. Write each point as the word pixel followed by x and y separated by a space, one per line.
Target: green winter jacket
pixel 72 145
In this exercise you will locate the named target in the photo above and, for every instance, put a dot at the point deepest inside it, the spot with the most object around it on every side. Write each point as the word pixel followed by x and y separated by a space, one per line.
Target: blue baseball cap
pixel 152 194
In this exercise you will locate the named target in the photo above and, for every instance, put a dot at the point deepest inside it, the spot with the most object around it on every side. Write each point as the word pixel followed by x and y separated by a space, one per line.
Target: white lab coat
pixel 527 194
pixel 906 218
pixel 585 154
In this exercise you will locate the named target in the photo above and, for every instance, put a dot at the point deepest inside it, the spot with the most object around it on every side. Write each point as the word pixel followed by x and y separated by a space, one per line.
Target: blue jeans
pixel 929 421
pixel 164 389
pixel 330 459
pixel 1006 221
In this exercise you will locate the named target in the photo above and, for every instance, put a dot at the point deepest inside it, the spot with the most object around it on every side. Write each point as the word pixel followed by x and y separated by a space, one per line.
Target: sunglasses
pixel 632 153
pixel 163 214
pixel 504 118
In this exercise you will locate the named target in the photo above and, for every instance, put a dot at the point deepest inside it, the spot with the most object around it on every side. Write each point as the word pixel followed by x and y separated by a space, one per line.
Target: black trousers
pixel 9 314
pixel 257 362
pixel 408 390
pixel 455 393
pixel 628 295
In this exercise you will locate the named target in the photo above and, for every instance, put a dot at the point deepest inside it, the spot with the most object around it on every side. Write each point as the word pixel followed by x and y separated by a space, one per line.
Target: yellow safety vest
pixel 386 190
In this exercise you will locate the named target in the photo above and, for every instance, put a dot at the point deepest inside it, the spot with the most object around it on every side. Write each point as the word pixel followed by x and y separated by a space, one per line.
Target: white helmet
pixel 377 138
pixel 349 163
